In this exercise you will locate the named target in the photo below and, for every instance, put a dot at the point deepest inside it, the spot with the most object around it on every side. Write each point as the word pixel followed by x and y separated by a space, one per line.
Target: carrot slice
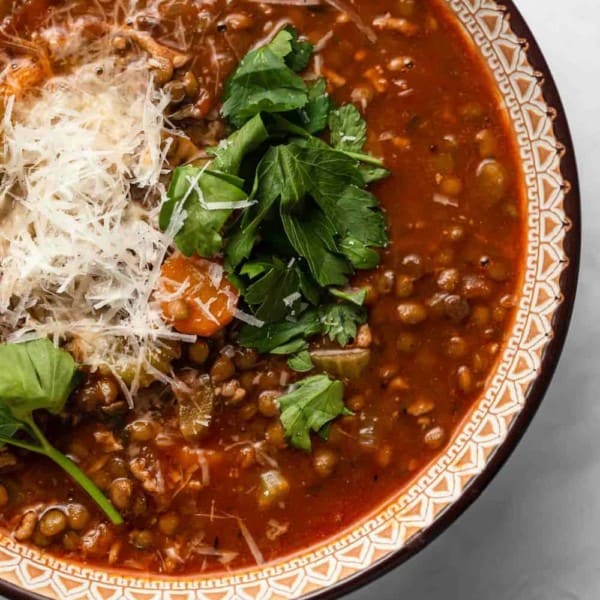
pixel 195 296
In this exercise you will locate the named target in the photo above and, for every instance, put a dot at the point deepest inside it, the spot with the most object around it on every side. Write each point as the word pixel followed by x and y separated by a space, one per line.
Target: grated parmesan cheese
pixel 245 317
pixel 80 190
pixel 445 200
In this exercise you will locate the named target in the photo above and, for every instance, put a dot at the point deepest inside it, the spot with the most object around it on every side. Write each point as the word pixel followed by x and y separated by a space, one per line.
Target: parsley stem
pixel 20 444
pixel 73 470
pixel 366 158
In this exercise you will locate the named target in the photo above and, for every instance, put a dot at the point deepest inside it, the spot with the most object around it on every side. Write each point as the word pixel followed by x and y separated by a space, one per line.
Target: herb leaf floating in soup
pixel 35 375
pixel 310 406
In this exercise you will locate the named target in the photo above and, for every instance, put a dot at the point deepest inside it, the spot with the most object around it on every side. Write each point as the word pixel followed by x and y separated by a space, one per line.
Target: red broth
pixel 440 306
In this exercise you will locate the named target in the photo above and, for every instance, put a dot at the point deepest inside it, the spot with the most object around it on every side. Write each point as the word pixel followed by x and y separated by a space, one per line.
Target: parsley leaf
pixel 330 171
pixel 311 405
pixel 275 335
pixel 35 375
pixel 297 345
pixel 358 254
pixel 355 296
pixel 231 151
pixel 264 81
pixel 359 217
pixel 283 173
pixel 314 115
pixel 301 362
pixel 270 294
pixel 199 192
pixel 313 237
pixel 302 50
pixel 372 173
pixel 340 321
pixel 348 129
pixel 348 133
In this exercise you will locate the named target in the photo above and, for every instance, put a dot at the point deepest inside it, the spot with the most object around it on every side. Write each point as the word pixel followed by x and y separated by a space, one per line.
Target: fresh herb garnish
pixel 276 335
pixel 267 80
pixel 208 201
pixel 340 322
pixel 35 375
pixel 348 129
pixel 354 296
pixel 231 151
pixel 310 406
pixel 330 222
pixel 314 115
pixel 308 222
pixel 301 362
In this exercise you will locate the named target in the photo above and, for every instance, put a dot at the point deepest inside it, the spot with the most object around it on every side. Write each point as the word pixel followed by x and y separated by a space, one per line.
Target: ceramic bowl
pixel 417 514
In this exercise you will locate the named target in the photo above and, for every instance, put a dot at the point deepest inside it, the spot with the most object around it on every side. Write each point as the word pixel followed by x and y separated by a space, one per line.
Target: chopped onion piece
pixel 349 363
pixel 240 315
pixel 273 488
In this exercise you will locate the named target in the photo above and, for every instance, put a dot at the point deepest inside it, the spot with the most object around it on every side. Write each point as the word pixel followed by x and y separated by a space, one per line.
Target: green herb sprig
pixel 285 200
pixel 311 405
pixel 308 221
pixel 35 375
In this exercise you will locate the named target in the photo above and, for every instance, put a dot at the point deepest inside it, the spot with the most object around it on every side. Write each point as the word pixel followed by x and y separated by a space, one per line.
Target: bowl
pixel 489 433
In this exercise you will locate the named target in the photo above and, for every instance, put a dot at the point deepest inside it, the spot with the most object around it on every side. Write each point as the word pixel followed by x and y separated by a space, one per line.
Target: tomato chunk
pixel 195 296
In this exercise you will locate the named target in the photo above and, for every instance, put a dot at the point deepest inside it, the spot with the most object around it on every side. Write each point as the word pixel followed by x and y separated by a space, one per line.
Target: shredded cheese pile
pixel 80 248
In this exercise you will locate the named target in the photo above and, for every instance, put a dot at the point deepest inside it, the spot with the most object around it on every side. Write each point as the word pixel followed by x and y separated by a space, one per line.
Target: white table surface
pixel 535 533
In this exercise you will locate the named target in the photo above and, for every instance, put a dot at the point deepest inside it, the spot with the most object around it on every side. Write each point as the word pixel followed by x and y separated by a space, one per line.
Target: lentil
pixel 53 522
pixel 407 343
pixel 141 430
pixel 420 407
pixel 78 516
pixel 404 286
pixel 142 540
pixel 457 347
pixel 324 461
pixel 121 491
pixel 364 337
pixel 412 313
pixel 448 280
pixel 168 523
pixel 267 403
pixel 222 369
pixel 198 352
pixel 465 379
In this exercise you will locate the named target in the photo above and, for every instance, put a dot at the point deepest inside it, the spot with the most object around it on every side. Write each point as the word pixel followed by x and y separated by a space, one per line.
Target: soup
pixel 276 248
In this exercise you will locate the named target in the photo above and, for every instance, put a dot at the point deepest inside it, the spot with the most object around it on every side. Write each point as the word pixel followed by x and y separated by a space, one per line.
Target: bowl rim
pixel 561 322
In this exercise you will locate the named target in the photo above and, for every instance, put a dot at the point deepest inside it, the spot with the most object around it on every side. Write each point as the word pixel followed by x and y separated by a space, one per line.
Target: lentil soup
pixel 203 444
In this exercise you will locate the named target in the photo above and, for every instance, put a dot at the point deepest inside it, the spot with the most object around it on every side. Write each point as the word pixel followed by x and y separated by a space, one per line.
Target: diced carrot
pixel 195 296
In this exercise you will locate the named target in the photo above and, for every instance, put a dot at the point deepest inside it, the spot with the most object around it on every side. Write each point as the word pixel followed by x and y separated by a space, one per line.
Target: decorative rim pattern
pixel 492 429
